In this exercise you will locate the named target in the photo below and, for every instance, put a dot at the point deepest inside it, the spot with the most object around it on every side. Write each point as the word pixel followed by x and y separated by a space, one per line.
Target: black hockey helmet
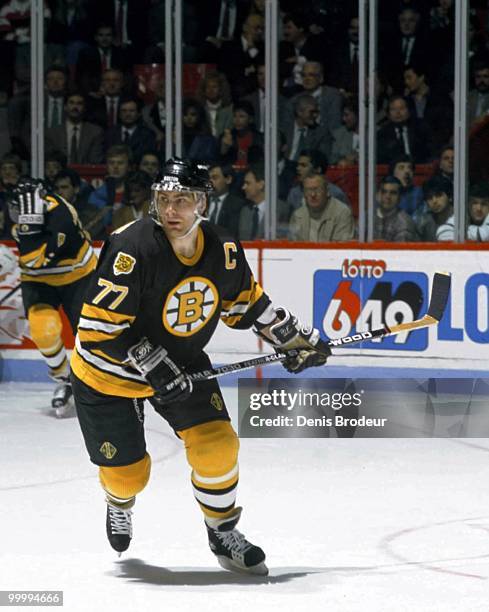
pixel 183 175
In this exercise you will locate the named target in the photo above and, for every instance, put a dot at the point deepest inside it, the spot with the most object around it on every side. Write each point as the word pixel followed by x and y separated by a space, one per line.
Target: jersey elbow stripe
pixel 98 331
pixel 94 313
pixel 106 366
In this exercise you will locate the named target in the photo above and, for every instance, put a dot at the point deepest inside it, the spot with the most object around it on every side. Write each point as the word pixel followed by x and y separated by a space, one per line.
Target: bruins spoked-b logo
pixel 189 306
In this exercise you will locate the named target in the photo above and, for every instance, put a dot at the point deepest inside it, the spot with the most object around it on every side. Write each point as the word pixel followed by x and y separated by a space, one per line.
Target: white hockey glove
pixel 288 334
pixel 8 261
pixel 32 207
pixel 170 383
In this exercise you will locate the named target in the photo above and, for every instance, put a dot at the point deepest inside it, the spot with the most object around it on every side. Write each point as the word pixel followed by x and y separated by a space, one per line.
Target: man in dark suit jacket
pixel 80 141
pixel 104 109
pixel 403 135
pixel 94 60
pixel 132 33
pixel 224 207
pixel 219 21
pixel 131 131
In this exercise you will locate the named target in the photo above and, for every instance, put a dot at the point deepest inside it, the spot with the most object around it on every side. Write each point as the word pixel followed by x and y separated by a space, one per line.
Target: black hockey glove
pixel 288 334
pixel 32 207
pixel 169 382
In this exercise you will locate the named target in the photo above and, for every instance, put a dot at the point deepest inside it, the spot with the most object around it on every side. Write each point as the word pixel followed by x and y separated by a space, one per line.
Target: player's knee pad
pixel 46 327
pixel 212 448
pixel 126 481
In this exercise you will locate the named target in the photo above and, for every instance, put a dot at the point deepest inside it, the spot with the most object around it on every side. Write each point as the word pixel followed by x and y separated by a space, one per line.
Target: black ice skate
pixel 119 524
pixel 62 401
pixel 232 549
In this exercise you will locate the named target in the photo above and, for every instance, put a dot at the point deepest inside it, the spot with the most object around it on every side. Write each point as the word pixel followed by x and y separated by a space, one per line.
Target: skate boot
pixel 119 524
pixel 62 401
pixel 232 549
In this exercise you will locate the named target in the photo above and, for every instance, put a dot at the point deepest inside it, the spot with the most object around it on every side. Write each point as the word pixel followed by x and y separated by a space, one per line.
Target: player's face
pixel 316 192
pixel 176 211
pixel 437 202
pixel 66 190
pixel 404 172
pixel 117 166
pixel 479 209
pixel 447 161
pixel 389 196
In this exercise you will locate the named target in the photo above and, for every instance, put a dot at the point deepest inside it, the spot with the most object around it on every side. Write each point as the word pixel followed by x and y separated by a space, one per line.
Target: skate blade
pixel 256 570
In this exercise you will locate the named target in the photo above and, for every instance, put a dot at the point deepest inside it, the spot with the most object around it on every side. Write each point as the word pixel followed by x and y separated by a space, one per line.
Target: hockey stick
pixel 10 294
pixel 436 308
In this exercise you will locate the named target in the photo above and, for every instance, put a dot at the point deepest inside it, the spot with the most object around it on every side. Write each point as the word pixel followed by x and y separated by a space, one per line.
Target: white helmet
pixel 8 261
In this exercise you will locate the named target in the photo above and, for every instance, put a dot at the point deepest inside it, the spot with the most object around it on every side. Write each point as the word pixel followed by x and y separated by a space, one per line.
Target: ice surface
pixel 347 525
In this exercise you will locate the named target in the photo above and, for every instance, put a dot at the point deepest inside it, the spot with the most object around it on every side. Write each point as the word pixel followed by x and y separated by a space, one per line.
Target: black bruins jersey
pixel 142 288
pixel 61 254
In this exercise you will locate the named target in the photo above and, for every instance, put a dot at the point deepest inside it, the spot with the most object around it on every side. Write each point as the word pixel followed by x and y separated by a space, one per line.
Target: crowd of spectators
pixel 98 111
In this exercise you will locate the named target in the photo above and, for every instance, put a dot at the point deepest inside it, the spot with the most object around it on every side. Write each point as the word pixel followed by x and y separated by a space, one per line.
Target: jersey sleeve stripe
pixel 96 336
pixel 107 366
pixel 107 316
pixel 108 328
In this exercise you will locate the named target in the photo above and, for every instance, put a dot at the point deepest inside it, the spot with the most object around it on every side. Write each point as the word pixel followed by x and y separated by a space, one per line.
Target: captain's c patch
pixel 123 264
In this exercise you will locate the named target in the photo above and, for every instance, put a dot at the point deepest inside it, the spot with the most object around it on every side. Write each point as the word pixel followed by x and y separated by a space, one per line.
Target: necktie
pixel 226 18
pixel 215 206
pixel 74 146
pixel 405 140
pixel 119 24
pixel 112 117
pixel 254 223
pixel 125 136
pixel 407 46
pixel 105 63
pixel 55 115
pixel 300 144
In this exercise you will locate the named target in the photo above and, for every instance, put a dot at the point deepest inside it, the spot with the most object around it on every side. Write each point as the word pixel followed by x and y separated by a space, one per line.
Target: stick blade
pixel 439 295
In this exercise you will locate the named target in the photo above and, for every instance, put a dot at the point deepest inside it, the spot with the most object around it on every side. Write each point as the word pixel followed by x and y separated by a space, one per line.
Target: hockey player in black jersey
pixel 56 260
pixel 161 287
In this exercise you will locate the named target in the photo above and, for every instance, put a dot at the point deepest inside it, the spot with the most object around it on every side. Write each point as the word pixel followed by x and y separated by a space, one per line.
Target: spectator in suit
pixel 424 103
pixel 82 142
pixel 131 131
pixel 322 218
pixel 346 141
pixel 103 107
pixel 312 162
pixel 252 215
pixel 198 142
pixel 438 194
pixel 297 47
pixel 238 58
pixel 411 196
pixel 55 82
pixel 150 163
pixel 154 115
pixel 215 95
pixel 234 144
pixel 109 196
pixel 69 29
pixel 407 46
pixel 343 69
pixel 446 163
pixel 328 98
pixel 304 132
pixel 93 61
pixel 257 100
pixel 68 185
pixel 219 21
pixel 391 223
pixel 224 206
pixel 137 198
pixel 403 135
pixel 478 99
pixel 54 163
pixel 478 228
pixel 129 21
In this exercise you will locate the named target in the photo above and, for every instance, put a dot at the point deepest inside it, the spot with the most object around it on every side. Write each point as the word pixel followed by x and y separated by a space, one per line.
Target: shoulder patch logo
pixel 124 263
pixel 216 401
pixel 108 450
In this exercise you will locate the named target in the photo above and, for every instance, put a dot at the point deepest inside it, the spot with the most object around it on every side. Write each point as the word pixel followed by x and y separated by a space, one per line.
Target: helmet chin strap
pixel 198 219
